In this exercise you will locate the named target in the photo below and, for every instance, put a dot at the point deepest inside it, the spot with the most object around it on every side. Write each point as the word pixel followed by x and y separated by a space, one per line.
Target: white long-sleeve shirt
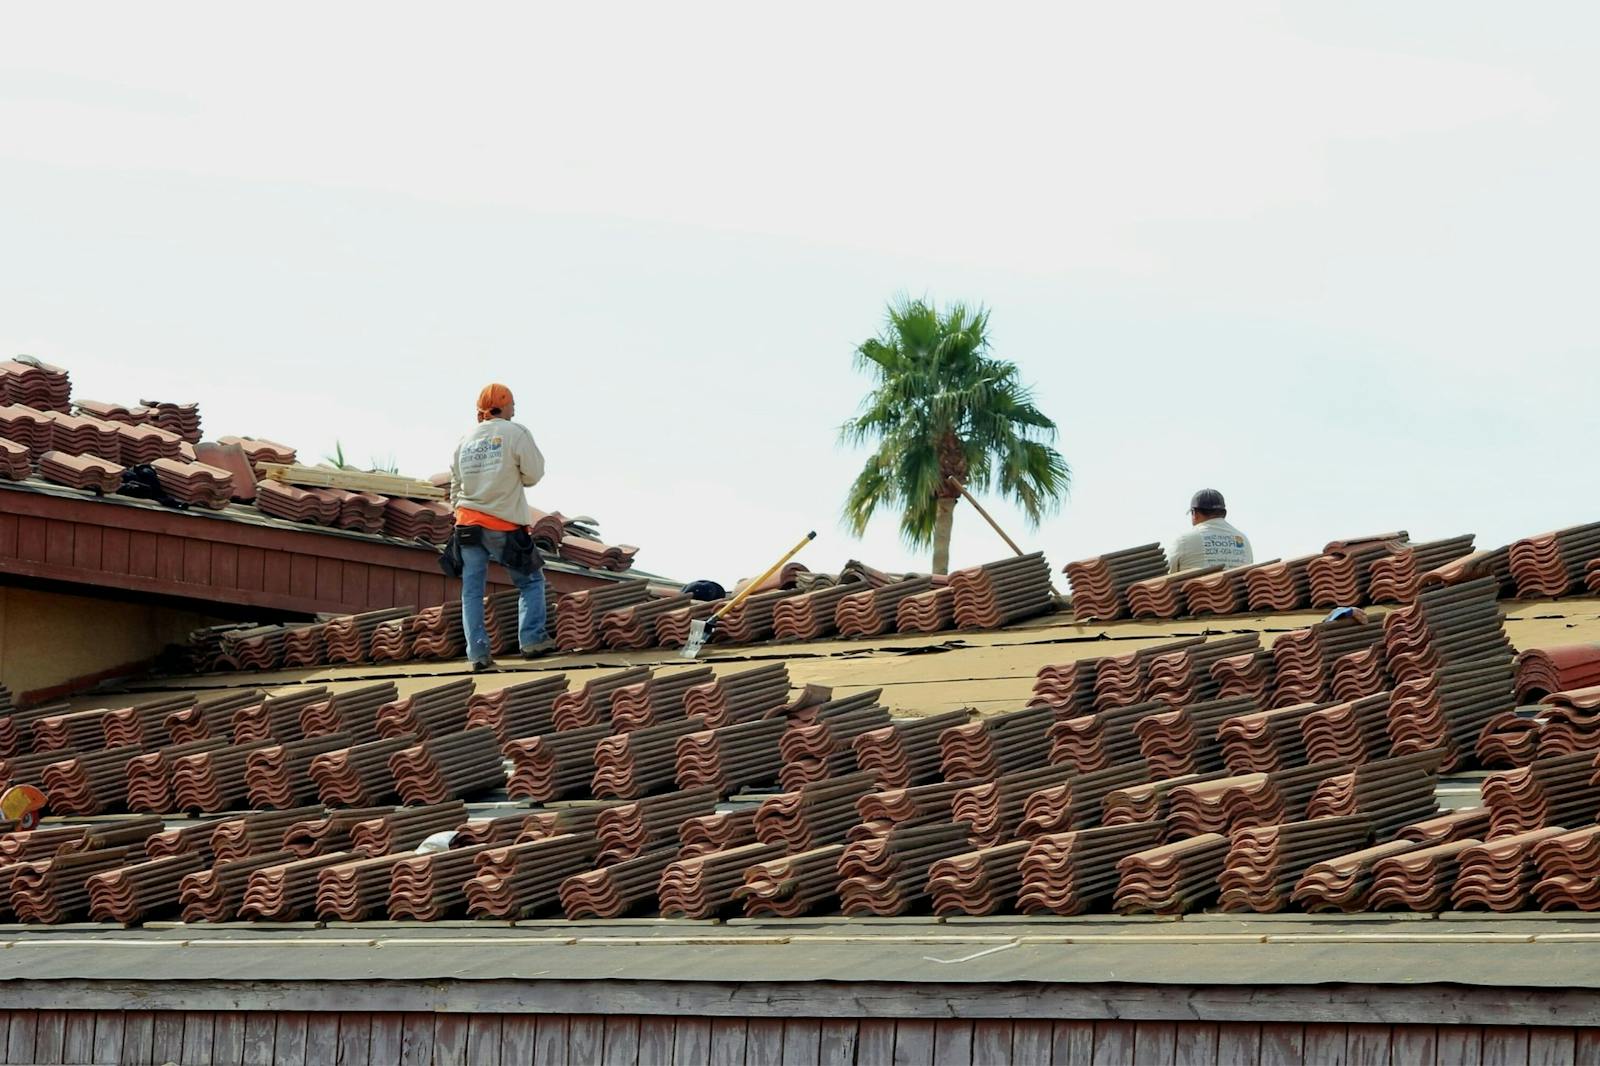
pixel 1211 543
pixel 492 465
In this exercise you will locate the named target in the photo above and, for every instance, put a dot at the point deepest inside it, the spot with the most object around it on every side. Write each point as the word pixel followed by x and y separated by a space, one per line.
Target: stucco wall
pixel 48 639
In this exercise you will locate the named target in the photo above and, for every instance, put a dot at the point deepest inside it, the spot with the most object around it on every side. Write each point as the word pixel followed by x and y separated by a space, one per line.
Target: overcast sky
pixel 1335 260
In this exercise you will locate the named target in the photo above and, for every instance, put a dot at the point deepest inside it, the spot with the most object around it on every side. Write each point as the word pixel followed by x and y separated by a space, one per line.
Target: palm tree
pixel 942 414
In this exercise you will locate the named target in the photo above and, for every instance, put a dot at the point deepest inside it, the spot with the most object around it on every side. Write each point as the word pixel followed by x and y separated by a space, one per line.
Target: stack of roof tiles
pixel 180 418
pixel 751 620
pixel 348 638
pixel 1186 740
pixel 978 882
pixel 1163 597
pixel 597 556
pixel 145 444
pixel 1389 793
pixel 999 593
pixel 1461 623
pixel 1171 878
pixel 927 612
pixel 16 461
pixel 426 520
pixel 260 450
pixel 1264 864
pixel 1304 661
pixel 1353 730
pixel 194 483
pixel 1560 790
pixel 656 698
pixel 706 885
pixel 590 702
pixel 1397 578
pixel 1016 740
pixel 615 890
pixel 1221 593
pixel 295 504
pixel 888 875
pixel 438 632
pixel 817 813
pixel 1280 586
pixel 518 880
pixel 1105 738
pixel 1568 867
pixel 31 429
pixel 792 885
pixel 1099 586
pixel 524 709
pixel 1245 800
pixel 447 767
pixel 80 435
pixel 578 614
pixel 906 752
pixel 1499 875
pixel 1453 668
pixel 672 627
pixel 871 612
pixel 1344 882
pixel 630 765
pixel 1554 564
pixel 716 832
pixel 628 830
pixel 823 747
pixel 809 615
pixel 1075 872
pixel 634 626
pixel 1542 671
pixel 1184 675
pixel 739 695
pixel 360 775
pixel 1495 563
pixel 1339 576
pixel 1068 687
pixel 28 381
pixel 363 512
pixel 1050 799
pixel 741 755
pixel 80 471
pixel 1421 879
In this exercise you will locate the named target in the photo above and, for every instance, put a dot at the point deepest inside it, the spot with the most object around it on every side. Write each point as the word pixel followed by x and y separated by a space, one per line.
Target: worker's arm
pixel 1175 555
pixel 455 475
pixel 530 461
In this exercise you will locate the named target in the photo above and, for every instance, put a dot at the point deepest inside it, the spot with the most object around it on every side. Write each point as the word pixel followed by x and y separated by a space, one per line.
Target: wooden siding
pixel 213 1038
pixel 205 558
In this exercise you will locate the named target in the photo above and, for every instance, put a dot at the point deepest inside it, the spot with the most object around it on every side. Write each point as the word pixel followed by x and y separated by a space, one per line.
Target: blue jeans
pixel 475 573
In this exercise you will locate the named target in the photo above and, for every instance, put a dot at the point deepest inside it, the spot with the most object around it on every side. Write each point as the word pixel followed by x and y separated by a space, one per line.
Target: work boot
pixel 480 667
pixel 539 650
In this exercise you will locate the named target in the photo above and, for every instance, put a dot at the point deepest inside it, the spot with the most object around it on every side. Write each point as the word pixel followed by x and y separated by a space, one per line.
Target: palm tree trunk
pixel 941 534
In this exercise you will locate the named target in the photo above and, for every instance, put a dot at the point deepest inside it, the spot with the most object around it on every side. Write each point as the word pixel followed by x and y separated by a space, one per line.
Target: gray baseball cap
pixel 1208 500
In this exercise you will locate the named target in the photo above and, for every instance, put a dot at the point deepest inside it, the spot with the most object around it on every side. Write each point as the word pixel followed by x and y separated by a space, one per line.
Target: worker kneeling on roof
pixel 1212 541
pixel 492 466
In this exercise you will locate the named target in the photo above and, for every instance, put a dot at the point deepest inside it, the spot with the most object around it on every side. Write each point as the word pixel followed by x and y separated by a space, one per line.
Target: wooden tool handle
pixel 773 569
pixel 976 506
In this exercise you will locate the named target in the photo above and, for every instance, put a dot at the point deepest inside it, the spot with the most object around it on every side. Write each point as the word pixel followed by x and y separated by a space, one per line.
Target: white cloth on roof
pixel 1211 543
pixel 492 465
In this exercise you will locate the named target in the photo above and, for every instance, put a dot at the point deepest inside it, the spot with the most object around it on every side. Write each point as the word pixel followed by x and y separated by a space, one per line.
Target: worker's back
pixel 492 465
pixel 1211 543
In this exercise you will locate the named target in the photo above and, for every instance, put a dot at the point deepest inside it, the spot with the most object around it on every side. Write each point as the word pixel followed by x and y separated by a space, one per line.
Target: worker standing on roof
pixel 492 466
pixel 1211 541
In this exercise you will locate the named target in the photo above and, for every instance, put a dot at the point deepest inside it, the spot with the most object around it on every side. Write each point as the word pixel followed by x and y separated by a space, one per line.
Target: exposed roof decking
pixel 991 670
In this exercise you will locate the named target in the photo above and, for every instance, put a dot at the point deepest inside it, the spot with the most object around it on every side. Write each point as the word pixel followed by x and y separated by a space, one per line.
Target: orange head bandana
pixel 492 401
